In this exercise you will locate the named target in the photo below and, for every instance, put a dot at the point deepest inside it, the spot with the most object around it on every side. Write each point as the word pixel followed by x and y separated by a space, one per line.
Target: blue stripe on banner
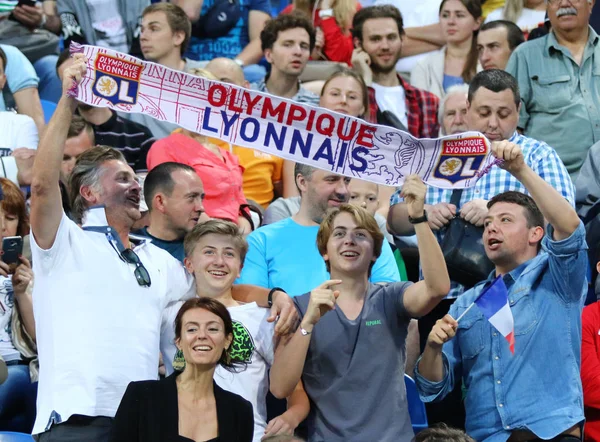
pixel 493 298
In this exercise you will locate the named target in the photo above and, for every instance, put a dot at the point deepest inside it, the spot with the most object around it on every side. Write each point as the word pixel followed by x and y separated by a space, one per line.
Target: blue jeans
pixel 17 400
pixel 50 87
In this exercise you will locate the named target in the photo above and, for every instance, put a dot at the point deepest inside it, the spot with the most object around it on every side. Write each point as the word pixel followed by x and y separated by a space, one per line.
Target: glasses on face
pixel 141 273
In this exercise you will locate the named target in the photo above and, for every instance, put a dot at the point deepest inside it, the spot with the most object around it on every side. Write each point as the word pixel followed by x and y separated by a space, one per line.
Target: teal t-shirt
pixel 285 254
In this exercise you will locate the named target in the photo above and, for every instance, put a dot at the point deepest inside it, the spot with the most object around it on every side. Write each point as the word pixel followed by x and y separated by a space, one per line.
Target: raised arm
pixel 555 208
pixel 422 297
pixel 46 204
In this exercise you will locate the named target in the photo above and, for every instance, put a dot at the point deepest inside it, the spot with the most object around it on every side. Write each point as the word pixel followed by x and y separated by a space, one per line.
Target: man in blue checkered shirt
pixel 493 109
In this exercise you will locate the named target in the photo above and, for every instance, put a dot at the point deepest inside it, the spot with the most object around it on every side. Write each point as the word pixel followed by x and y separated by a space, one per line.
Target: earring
pixel 179 361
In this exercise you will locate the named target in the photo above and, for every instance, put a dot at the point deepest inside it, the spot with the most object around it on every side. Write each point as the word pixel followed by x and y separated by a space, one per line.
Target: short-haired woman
pixel 189 406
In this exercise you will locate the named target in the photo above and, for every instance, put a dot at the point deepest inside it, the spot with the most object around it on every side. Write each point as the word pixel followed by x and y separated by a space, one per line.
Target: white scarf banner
pixel 298 132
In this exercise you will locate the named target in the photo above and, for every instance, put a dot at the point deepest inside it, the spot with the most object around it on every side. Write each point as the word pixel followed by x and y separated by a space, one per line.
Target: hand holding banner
pixel 298 132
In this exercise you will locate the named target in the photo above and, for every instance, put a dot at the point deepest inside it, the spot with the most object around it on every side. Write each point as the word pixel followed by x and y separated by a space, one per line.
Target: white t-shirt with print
pixel 253 342
pixel 97 329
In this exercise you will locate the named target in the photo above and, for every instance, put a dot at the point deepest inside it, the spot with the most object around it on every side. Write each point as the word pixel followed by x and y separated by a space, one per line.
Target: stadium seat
pixel 49 108
pixel 9 436
pixel 416 408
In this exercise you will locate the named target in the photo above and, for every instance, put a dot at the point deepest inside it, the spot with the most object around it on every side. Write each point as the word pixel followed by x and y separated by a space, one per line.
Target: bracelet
pixel 270 296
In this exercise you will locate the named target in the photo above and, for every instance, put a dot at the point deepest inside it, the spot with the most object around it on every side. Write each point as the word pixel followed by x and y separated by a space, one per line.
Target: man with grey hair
pixel 115 288
pixel 284 254
pixel 559 83
pixel 453 110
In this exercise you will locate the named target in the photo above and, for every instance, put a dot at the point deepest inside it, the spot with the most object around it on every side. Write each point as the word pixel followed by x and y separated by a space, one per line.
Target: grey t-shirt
pixel 354 370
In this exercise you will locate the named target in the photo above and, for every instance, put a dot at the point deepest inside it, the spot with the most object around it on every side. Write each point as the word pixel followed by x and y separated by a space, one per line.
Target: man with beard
pixel 132 139
pixel 99 292
pixel 284 254
pixel 559 82
pixel 378 36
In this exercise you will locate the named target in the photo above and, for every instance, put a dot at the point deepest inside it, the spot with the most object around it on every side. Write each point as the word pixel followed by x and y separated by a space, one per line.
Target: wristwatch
pixel 325 13
pixel 270 295
pixel 304 332
pixel 421 219
pixel 239 62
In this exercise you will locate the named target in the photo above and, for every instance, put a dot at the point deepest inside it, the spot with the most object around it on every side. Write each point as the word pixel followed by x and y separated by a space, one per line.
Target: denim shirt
pixel 539 387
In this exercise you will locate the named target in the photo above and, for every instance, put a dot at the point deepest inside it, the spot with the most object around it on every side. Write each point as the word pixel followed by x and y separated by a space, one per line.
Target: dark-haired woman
pixel 456 62
pixel 189 406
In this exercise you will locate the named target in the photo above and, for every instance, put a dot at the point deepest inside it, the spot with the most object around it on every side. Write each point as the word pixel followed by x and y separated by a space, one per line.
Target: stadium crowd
pixel 158 284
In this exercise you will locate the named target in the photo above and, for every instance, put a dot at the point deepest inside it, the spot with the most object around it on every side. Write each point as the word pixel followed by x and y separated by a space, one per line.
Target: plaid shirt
pixel 422 109
pixel 538 155
pixel 302 96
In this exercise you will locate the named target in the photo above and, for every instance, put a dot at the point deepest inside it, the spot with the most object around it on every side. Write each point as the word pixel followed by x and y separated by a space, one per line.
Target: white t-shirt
pixel 529 19
pixel 16 131
pixel 97 329
pixel 392 99
pixel 414 14
pixel 7 301
pixel 253 342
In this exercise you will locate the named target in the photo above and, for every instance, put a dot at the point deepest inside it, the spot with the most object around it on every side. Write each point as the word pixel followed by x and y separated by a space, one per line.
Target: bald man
pixel 227 71
pixel 263 173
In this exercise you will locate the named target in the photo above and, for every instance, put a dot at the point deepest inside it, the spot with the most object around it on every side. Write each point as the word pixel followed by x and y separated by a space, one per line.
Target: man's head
pixel 379 30
pixel 214 254
pixel 364 194
pixel 496 41
pixel 3 61
pixel 227 71
pixel 453 110
pixel 101 176
pixel 569 15
pixel 174 193
pixel 493 104
pixel 287 42
pixel 165 29
pixel 79 139
pixel 320 190
pixel 349 240
pixel 513 230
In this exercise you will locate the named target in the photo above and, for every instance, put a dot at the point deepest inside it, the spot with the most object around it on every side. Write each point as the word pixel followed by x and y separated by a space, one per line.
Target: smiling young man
pixel 287 42
pixel 534 394
pixel 215 253
pixel 350 348
pixel 379 35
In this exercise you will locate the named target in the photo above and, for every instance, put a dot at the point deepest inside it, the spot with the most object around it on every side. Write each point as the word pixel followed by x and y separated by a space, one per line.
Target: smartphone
pixel 26 3
pixel 12 248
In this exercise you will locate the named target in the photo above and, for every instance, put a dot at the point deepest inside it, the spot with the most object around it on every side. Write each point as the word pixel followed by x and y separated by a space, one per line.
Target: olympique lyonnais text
pixel 115 66
pixel 465 146
pixel 295 118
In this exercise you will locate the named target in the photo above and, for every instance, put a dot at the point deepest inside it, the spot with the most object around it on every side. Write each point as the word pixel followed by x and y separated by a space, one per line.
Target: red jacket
pixel 338 46
pixel 590 370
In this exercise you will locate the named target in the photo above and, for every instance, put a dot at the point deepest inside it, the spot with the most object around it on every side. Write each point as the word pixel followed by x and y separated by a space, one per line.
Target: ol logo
pixel 117 80
pixel 460 159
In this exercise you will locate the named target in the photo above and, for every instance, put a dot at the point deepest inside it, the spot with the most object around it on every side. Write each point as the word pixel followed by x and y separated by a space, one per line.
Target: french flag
pixel 493 303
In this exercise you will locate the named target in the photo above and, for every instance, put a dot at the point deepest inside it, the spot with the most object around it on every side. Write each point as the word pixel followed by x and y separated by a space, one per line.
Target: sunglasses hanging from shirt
pixel 127 255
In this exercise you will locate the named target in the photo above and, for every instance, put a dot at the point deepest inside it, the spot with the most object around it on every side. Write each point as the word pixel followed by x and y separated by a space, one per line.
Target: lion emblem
pixel 242 347
pixel 107 86
pixel 450 166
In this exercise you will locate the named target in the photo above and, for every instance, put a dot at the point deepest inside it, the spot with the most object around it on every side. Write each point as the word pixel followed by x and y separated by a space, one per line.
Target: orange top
pixel 261 171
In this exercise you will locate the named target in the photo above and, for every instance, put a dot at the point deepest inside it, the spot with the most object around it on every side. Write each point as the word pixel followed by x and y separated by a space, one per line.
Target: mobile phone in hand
pixel 12 248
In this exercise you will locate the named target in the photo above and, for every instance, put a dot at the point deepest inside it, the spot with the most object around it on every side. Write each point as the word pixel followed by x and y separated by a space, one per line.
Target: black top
pixel 132 139
pixel 149 413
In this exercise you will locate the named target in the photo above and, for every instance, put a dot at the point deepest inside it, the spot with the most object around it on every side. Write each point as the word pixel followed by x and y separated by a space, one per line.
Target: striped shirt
pixel 542 158
pixel 303 95
pixel 132 139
